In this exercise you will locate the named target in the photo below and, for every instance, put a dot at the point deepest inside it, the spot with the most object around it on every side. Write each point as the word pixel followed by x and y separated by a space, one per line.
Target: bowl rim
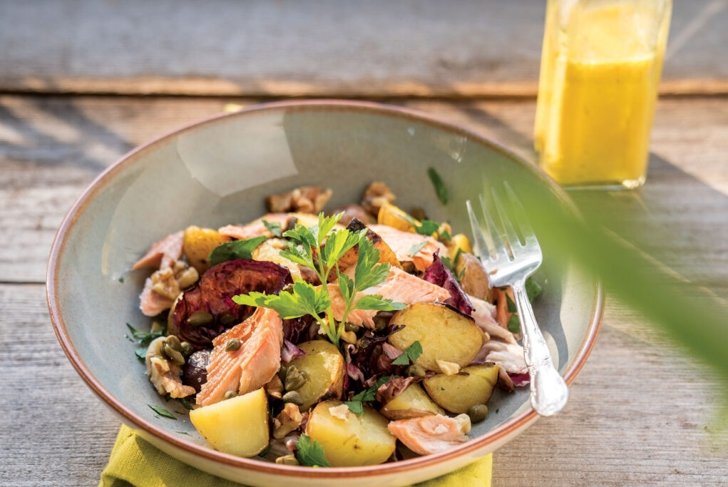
pixel 515 425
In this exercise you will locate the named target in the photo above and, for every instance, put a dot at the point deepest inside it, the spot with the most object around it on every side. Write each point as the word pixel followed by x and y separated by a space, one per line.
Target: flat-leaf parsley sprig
pixel 320 248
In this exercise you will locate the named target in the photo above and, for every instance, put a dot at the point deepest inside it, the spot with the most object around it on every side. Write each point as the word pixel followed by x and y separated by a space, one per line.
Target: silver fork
pixel 508 262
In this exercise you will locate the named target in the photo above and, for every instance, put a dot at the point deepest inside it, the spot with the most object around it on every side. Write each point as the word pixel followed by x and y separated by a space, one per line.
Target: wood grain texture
pixel 639 414
pixel 319 48
pixel 51 148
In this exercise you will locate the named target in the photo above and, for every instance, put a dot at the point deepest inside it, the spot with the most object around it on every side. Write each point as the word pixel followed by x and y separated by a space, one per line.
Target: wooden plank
pixel 639 414
pixel 51 148
pixel 463 48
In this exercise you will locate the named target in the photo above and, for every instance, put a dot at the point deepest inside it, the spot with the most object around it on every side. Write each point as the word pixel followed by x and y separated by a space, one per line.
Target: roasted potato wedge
pixel 349 439
pixel 323 367
pixel 459 243
pixel 472 276
pixel 443 333
pixel 238 426
pixel 410 403
pixel 198 243
pixel 395 217
pixel 458 393
pixel 386 254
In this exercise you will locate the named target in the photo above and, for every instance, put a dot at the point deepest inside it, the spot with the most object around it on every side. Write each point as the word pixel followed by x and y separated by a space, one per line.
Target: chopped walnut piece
pixel 448 368
pixel 306 199
pixel 274 388
pixel 341 412
pixel 170 281
pixel 375 195
pixel 288 420
pixel 163 373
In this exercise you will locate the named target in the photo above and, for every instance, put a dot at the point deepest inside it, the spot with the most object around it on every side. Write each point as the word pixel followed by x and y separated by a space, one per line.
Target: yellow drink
pixel 599 75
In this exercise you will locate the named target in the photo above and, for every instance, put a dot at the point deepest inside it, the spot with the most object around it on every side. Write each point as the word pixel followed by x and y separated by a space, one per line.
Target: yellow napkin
pixel 135 462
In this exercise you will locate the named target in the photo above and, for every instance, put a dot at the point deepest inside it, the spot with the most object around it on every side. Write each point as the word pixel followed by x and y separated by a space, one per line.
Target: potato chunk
pixel 198 243
pixel 323 368
pixel 395 217
pixel 349 439
pixel 473 278
pixel 238 426
pixel 458 393
pixel 443 333
pixel 411 403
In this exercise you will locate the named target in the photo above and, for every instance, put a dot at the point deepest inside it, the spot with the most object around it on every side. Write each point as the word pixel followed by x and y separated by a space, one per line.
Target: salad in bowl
pixel 351 337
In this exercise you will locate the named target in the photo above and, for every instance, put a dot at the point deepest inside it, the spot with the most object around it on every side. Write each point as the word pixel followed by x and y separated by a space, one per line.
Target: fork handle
pixel 548 389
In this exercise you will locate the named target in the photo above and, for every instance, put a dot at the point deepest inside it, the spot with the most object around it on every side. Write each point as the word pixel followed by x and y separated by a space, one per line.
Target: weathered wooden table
pixel 640 412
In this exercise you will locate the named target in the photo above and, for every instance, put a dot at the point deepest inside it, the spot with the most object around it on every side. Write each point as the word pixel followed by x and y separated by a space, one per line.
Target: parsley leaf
pixel 369 272
pixel 427 227
pixel 337 244
pixel 325 225
pixel 438 184
pixel 273 227
pixel 162 412
pixel 237 249
pixel 378 303
pixel 356 407
pixel 303 299
pixel 310 452
pixel 416 248
pixel 356 404
pixel 409 355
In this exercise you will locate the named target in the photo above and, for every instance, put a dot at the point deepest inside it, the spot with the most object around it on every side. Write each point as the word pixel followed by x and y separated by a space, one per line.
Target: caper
pixel 232 345
pixel 230 394
pixel 294 397
pixel 295 378
pixel 173 354
pixel 287 460
pixel 199 318
pixel 478 413
pixel 173 342
pixel 185 348
pixel 227 319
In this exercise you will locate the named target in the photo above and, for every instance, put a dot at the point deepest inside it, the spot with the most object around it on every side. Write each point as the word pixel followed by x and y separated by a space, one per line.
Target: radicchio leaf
pixel 212 297
pixel 393 388
pixel 519 380
pixel 370 356
pixel 440 275
pixel 290 351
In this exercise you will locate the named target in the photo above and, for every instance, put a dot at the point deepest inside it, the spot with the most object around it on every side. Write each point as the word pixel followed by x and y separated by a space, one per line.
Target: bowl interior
pixel 219 172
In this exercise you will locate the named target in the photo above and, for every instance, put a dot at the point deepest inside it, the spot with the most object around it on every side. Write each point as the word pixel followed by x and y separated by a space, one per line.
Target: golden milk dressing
pixel 597 92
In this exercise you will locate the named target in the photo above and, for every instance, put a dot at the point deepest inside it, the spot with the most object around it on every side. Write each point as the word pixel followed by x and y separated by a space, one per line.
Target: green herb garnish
pixel 310 453
pixel 144 337
pixel 356 404
pixel 409 355
pixel 274 228
pixel 320 248
pixel 162 412
pixel 237 249
pixel 427 227
pixel 514 324
pixel 438 184
pixel 141 353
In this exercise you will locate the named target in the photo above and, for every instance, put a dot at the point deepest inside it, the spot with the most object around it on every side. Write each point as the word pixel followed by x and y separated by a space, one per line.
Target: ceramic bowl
pixel 218 171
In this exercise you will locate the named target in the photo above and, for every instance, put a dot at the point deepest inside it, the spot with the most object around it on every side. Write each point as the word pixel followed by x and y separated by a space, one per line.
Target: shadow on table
pixel 70 138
